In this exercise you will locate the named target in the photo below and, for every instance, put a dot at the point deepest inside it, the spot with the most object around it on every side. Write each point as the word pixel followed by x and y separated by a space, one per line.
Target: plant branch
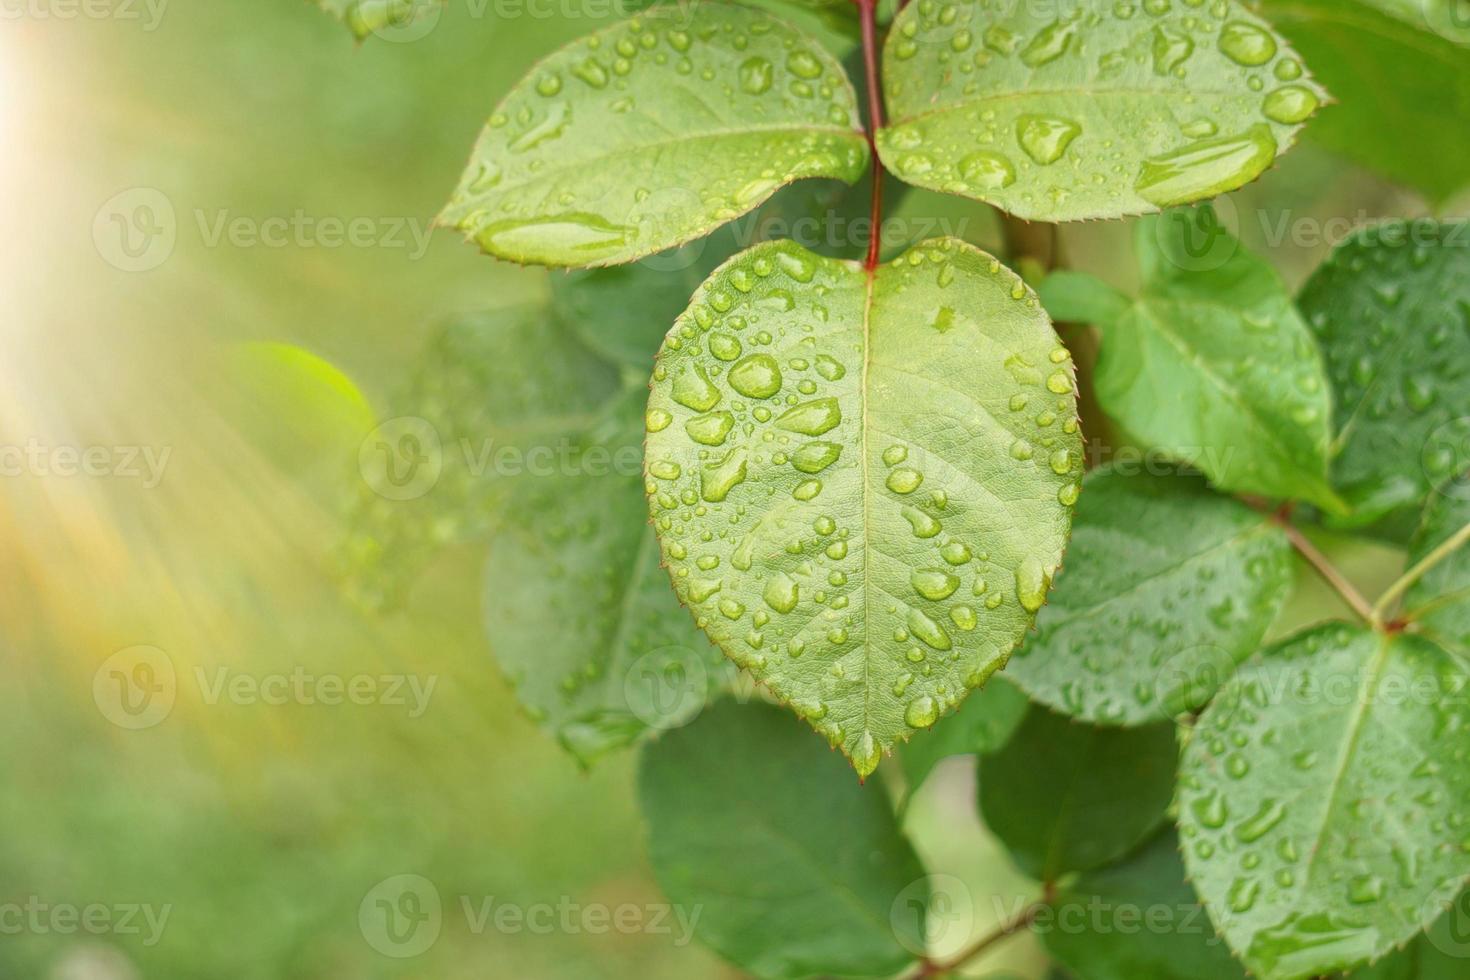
pixel 1020 923
pixel 868 12
pixel 1318 561
pixel 1396 591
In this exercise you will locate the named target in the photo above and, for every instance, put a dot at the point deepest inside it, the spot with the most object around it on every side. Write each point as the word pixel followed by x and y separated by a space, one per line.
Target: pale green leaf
pixel 1066 797
pixel 1064 112
pixel 862 484
pixel 793 868
pixel 1401 75
pixel 505 381
pixel 1167 587
pixel 1213 366
pixel 1440 601
pixel 391 19
pixel 1323 799
pixel 653 132
pixel 1137 920
pixel 1076 297
pixel 1391 310
pixel 579 614
pixel 983 723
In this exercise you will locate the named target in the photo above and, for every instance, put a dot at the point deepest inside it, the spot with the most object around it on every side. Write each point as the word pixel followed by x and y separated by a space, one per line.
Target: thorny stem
pixel 867 11
pixel 1020 923
pixel 1396 591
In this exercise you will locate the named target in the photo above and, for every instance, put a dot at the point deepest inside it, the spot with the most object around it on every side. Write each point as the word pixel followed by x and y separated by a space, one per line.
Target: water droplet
pixel 665 470
pixel 755 75
pixel 724 346
pixel 657 420
pixel 955 553
pixel 815 457
pixel 811 418
pixel 807 489
pixel 1246 44
pixel 927 630
pixel 591 235
pixel 757 376
pixel 921 713
pixel 1046 138
pixel 924 526
pixel 829 368
pixel 1049 44
pixel 988 171
pixel 904 480
pixel 803 64
pixel 894 455
pixel 1207 168
pixel 1290 104
pixel 781 593
pixel 934 584
pixel 1171 48
pixel 1031 585
pixel 717 479
pixel 1268 816
pixel 711 429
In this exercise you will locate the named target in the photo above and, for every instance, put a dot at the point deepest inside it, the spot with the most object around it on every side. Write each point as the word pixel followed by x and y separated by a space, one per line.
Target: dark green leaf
pixel 1167 586
pixel 1391 309
pixel 1069 797
pixel 1402 83
pixel 1137 920
pixel 653 132
pixel 1059 112
pixel 1324 799
pixel 1213 366
pixel 795 869
pixel 863 484
pixel 983 723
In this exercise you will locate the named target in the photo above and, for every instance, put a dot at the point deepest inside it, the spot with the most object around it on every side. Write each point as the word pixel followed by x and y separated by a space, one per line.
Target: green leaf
pixel 1167 587
pixel 1136 919
pixel 1323 799
pixel 1064 112
pixel 580 615
pixel 624 311
pixel 983 723
pixel 794 869
pixel 862 484
pixel 532 442
pixel 1440 601
pixel 506 380
pixel 385 18
pixel 1069 797
pixel 1076 297
pixel 1213 366
pixel 1403 84
pixel 653 132
pixel 1391 309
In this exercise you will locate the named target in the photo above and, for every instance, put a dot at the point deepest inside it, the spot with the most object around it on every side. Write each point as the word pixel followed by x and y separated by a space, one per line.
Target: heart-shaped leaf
pixel 1323 799
pixel 1167 587
pixel 651 133
pixel 1060 112
pixel 862 483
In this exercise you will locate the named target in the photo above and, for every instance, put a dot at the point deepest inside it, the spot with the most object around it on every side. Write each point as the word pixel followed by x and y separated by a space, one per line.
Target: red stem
pixel 867 11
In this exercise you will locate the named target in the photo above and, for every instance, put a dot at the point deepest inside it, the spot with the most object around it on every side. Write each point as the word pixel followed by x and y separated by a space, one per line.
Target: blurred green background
pixel 261 828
